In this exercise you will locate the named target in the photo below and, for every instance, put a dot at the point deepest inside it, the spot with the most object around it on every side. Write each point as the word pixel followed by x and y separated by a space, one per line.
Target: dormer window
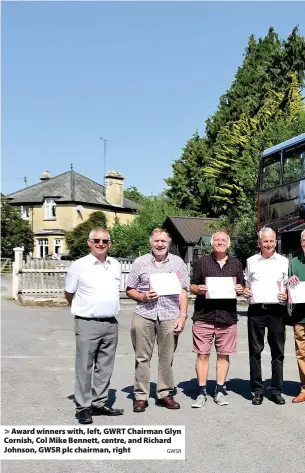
pixel 25 212
pixel 49 209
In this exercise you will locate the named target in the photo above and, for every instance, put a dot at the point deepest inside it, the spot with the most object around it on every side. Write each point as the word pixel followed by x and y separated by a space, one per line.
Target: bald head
pixel 220 242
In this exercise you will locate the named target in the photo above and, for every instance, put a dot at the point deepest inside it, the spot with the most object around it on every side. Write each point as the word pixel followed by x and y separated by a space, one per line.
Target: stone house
pixel 61 202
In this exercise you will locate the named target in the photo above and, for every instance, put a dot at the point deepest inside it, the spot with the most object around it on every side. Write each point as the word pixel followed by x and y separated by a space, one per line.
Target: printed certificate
pixel 266 291
pixel 165 284
pixel 220 288
pixel 296 293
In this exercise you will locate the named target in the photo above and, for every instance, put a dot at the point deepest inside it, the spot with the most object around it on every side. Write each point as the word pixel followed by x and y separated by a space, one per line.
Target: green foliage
pixel 130 241
pixel 216 175
pixel 14 231
pixel 132 193
pixel 187 188
pixel 77 239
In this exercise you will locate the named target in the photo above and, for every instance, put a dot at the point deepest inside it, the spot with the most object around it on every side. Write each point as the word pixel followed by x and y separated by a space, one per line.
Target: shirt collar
pixel 153 258
pixel 97 261
pixel 215 259
pixel 274 256
pixel 302 257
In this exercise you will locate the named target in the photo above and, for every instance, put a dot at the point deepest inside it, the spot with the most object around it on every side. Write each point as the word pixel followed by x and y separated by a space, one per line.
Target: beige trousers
pixel 143 335
pixel 299 335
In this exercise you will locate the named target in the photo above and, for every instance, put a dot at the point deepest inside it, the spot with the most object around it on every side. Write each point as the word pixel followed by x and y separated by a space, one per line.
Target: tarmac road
pixel 37 389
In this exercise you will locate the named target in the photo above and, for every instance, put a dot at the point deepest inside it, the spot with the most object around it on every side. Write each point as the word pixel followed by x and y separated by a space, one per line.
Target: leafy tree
pixel 130 241
pixel 14 231
pixel 262 107
pixel 132 193
pixel 187 188
pixel 77 239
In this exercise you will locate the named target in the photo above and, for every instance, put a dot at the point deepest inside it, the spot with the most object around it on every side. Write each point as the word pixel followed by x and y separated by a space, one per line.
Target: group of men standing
pixel 92 289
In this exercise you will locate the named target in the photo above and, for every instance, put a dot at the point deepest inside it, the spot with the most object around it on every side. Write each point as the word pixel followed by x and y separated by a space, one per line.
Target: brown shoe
pixel 139 406
pixel 299 398
pixel 168 402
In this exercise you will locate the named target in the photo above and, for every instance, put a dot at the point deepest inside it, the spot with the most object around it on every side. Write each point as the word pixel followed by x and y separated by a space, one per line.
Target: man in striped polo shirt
pixel 156 317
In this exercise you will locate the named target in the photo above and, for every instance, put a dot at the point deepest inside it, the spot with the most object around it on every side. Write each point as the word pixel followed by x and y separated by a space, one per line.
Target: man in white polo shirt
pixel 265 267
pixel 92 289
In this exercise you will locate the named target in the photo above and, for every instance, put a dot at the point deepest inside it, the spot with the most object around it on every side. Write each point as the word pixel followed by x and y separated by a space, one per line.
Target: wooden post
pixel 17 266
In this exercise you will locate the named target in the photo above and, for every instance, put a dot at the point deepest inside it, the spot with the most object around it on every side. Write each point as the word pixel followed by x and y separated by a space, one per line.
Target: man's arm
pixel 196 286
pixel 69 297
pixel 71 282
pixel 141 296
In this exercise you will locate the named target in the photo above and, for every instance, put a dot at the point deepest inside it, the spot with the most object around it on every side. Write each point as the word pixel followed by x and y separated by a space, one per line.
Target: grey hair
pixel 302 234
pixel 265 230
pixel 98 229
pixel 229 239
pixel 159 230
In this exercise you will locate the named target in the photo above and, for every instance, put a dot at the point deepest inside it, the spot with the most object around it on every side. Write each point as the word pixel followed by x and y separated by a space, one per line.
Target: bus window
pixel 294 165
pixel 271 171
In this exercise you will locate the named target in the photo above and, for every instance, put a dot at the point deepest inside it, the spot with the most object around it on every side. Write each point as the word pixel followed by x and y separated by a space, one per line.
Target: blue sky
pixel 145 75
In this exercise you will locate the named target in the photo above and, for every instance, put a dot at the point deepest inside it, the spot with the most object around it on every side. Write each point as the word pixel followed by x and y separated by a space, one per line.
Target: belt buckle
pixel 264 306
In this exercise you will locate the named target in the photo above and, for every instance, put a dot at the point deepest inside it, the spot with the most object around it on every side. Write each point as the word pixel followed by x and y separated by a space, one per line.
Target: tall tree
pixel 14 231
pixel 187 188
pixel 262 107
pixel 77 239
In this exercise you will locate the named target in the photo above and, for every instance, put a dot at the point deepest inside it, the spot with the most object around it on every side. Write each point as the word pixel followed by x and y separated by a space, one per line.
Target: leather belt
pixel 266 306
pixel 98 319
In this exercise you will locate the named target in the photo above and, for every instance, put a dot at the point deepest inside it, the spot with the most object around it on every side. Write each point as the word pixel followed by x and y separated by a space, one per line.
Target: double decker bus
pixel 281 196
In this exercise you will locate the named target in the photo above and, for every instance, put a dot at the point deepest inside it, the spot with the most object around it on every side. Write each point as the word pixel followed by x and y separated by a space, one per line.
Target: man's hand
pixel 202 289
pixel 179 325
pixel 150 296
pixel 239 289
pixel 293 280
pixel 282 296
pixel 247 292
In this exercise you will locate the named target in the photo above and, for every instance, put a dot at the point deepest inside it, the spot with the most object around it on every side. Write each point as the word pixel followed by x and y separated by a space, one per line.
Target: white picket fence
pixel 35 277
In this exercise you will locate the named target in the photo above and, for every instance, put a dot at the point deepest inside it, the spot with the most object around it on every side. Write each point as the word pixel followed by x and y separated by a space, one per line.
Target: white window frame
pixel 25 212
pixel 49 209
pixel 44 244
pixel 58 244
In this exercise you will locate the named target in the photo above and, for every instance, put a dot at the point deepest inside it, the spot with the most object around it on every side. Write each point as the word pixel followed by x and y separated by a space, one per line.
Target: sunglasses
pixel 100 240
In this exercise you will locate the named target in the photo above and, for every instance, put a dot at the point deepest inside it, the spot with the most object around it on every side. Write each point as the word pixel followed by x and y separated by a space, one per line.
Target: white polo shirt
pixel 259 269
pixel 95 285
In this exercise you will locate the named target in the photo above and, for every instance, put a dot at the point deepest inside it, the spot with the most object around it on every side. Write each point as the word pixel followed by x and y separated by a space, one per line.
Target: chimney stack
pixel 114 182
pixel 45 176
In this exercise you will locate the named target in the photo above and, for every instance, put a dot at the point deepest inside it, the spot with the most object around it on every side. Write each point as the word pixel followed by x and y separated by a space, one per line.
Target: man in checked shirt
pixel 161 317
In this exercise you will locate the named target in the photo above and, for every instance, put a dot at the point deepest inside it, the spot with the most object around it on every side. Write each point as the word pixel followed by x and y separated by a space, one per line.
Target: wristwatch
pixel 184 315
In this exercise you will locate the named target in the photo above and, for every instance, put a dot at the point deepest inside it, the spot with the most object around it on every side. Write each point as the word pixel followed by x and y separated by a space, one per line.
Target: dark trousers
pixel 260 317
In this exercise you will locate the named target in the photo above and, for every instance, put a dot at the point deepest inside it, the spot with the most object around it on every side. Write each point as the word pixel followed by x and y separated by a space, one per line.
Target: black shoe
pixel 84 416
pixel 105 410
pixel 277 399
pixel 257 399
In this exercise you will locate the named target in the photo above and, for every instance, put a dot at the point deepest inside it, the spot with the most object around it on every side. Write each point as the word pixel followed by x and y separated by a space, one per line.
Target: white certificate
pixel 296 293
pixel 220 288
pixel 265 291
pixel 165 284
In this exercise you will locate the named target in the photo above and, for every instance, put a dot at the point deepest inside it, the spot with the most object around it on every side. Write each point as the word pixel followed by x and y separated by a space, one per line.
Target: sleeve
pixel 71 281
pixel 184 277
pixel 118 276
pixel 247 274
pixel 240 274
pixel 133 276
pixel 286 272
pixel 197 274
